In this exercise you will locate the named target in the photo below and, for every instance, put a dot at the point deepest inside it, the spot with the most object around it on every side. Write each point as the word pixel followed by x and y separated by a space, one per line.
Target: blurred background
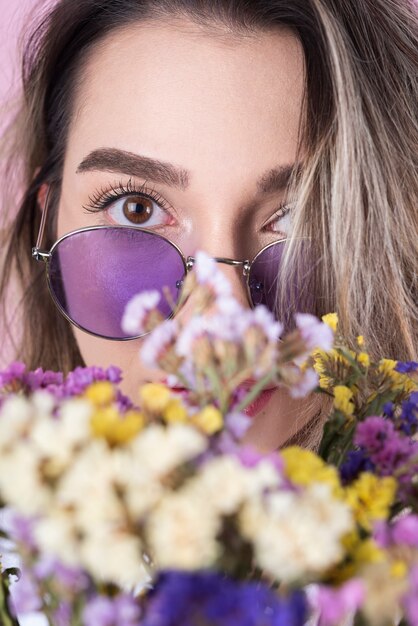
pixel 14 14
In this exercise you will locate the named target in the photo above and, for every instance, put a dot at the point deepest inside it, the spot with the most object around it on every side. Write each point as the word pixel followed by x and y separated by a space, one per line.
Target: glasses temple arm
pixel 43 220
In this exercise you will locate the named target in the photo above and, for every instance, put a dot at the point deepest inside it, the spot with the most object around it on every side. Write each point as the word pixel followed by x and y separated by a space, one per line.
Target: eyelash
pixel 103 197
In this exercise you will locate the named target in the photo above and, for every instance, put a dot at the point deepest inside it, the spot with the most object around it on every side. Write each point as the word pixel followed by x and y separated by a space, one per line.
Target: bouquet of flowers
pixel 152 512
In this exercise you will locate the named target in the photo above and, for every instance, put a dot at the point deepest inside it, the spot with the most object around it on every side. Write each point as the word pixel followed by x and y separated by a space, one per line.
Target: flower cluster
pixel 152 512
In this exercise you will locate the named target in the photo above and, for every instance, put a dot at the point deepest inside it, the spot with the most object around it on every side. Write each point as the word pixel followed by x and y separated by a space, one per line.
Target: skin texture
pixel 225 108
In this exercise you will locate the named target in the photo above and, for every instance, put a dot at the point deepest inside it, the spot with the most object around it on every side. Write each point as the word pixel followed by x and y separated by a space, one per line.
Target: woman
pixel 225 126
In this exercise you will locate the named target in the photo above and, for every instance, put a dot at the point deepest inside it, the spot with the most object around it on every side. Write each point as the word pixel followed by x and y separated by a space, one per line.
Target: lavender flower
pixel 158 342
pixel 316 334
pixel 138 310
pixel 307 382
pixel 25 594
pixel 121 610
pixel 210 598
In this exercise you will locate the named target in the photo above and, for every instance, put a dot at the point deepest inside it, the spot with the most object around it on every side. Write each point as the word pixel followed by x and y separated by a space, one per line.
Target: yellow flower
pixel 399 569
pixel 325 363
pixel 304 467
pixel 175 411
pixel 364 359
pixel 331 320
pixel 209 419
pixel 359 552
pixel 155 397
pixel 342 400
pixel 370 498
pixel 100 393
pixel 109 424
pixel 360 341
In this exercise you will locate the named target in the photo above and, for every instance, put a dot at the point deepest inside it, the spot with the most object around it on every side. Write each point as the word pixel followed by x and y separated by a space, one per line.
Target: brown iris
pixel 137 209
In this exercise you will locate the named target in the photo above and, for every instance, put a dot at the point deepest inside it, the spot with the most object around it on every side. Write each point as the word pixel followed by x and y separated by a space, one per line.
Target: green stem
pixel 5 618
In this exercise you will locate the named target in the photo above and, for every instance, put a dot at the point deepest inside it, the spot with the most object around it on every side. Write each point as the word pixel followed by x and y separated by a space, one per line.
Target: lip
pixel 259 403
pixel 252 409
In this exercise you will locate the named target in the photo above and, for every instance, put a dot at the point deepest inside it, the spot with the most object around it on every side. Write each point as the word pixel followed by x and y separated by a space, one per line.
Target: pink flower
pixel 334 605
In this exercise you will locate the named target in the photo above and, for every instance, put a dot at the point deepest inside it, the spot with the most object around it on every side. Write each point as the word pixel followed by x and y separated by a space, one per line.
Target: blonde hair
pixel 357 190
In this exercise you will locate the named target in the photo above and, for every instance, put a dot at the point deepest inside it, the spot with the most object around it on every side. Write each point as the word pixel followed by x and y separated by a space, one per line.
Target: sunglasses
pixel 92 273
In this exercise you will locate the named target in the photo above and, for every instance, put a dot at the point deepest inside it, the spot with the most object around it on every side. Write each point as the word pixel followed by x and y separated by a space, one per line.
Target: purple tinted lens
pixel 94 273
pixel 283 297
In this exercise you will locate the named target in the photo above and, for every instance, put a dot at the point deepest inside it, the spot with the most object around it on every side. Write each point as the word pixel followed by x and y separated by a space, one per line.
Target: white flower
pixel 114 556
pixel 209 275
pixel 75 421
pixel 137 310
pixel 160 449
pixel 182 532
pixel 142 490
pixel 55 534
pixel 88 489
pixel 15 416
pixel 297 535
pixel 21 484
pixel 223 482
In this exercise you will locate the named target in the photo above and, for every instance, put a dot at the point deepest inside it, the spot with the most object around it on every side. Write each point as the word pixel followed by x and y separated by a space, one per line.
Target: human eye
pixel 127 205
pixel 282 219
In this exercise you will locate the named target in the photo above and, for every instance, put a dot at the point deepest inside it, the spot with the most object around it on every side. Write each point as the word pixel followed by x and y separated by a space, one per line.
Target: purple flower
pixel 16 377
pixel 407 367
pixel 407 421
pixel 15 372
pixel 81 377
pixel 387 448
pixel 121 610
pixel 357 461
pixel 197 598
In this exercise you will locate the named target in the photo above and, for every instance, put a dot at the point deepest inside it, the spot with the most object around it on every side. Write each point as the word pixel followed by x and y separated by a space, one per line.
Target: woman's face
pixel 223 111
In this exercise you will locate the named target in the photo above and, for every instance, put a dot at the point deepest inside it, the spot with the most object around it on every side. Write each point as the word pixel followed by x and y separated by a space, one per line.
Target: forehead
pixel 179 94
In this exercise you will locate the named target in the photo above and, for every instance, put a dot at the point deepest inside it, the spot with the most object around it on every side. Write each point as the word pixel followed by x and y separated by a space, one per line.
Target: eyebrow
pixel 120 161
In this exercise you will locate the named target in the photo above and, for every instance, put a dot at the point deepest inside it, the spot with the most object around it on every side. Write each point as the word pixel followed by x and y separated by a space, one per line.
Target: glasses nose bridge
pixel 245 264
